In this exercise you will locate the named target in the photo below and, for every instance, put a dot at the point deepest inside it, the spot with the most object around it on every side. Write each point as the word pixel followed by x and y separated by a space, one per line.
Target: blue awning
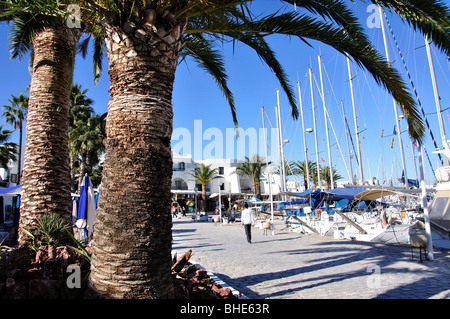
pixel 11 191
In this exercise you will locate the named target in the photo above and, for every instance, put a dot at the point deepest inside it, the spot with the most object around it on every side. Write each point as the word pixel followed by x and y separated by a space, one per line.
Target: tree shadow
pixel 435 283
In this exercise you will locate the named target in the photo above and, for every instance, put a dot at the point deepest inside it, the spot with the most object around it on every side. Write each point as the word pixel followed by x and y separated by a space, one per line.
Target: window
pixel 13 178
pixel 221 171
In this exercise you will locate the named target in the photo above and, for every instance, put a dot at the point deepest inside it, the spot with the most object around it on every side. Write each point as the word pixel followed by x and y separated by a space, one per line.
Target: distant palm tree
pixel 85 133
pixel 326 176
pixel 204 175
pixel 15 114
pixel 8 150
pixel 252 167
pixel 299 168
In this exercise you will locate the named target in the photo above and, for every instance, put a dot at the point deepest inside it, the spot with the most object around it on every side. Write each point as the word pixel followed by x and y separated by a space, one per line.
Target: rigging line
pixel 271 127
pixel 332 128
pixel 414 88
pixel 429 161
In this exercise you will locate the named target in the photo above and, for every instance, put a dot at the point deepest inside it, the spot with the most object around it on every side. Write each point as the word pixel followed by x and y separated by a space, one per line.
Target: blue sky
pixel 196 97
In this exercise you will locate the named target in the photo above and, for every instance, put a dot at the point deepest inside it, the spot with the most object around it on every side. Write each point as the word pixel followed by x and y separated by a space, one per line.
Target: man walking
pixel 248 221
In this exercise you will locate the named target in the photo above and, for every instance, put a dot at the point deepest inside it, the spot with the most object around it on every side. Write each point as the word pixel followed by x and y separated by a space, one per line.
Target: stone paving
pixel 289 265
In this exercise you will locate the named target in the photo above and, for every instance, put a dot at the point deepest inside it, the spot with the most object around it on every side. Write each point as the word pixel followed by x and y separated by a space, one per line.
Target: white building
pixel 229 182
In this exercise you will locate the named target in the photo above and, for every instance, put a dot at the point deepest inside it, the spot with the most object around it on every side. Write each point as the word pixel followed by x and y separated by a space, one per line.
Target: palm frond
pixel 202 52
pixel 431 17
pixel 356 45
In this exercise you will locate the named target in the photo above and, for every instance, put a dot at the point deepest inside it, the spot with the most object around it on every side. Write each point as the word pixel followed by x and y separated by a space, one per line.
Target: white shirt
pixel 247 217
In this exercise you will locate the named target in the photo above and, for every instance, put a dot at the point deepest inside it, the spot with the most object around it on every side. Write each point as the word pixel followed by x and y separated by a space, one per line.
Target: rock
pixel 129 27
pixel 224 293
pixel 20 258
pixel 34 273
pixel 140 34
pixel 10 282
pixel 182 261
pixel 20 291
pixel 41 255
pixel 16 273
pixel 43 289
pixel 201 274
pixel 53 268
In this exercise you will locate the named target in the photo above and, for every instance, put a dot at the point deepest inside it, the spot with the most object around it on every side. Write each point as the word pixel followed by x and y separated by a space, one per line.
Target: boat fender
pixel 318 212
pixel 386 218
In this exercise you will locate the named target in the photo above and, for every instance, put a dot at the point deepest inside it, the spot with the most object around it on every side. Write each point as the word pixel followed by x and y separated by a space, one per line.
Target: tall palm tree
pixel 204 175
pixel 8 150
pixel 15 114
pixel 46 175
pixel 326 176
pixel 252 167
pixel 144 40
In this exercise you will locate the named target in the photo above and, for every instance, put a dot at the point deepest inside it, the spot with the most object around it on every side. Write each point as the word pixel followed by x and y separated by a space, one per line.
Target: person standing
pixel 248 221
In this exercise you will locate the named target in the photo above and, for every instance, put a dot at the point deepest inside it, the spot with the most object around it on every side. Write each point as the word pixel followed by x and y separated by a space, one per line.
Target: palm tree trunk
pixel 46 173
pixel 204 197
pixel 258 188
pixel 19 160
pixel 133 227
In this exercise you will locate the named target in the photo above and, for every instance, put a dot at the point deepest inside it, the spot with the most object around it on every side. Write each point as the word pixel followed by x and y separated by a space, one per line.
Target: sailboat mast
pixel 326 123
pixel 355 118
pixel 348 144
pixel 399 132
pixel 426 214
pixel 315 128
pixel 304 136
pixel 269 175
pixel 281 145
pixel 436 97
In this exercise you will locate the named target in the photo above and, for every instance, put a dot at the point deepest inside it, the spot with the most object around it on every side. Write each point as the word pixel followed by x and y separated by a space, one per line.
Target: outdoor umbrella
pixel 86 210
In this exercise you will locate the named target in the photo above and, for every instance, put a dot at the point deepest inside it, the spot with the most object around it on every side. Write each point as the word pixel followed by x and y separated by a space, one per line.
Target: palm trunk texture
pixel 133 227
pixel 46 171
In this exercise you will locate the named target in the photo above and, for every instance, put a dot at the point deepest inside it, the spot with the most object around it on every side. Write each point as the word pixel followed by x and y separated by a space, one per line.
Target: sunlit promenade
pixel 294 266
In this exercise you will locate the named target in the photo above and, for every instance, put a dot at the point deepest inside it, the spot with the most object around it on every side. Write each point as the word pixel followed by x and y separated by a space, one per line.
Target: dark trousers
pixel 248 232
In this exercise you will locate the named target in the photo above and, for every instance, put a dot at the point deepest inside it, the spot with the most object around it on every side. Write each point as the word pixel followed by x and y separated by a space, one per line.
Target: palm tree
pixel 46 175
pixel 8 150
pixel 204 175
pixel 15 114
pixel 144 40
pixel 85 134
pixel 299 168
pixel 326 176
pixel 252 167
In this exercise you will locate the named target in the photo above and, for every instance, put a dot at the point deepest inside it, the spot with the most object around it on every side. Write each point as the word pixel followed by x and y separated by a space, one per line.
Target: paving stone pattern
pixel 289 265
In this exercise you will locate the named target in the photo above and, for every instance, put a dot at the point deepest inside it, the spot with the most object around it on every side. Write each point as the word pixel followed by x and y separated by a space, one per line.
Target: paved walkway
pixel 289 265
